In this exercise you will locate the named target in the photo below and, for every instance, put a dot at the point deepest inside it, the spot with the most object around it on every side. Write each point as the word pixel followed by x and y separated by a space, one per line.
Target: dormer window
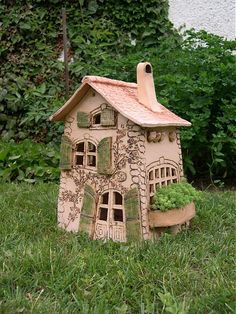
pixel 103 117
pixel 96 120
pixel 86 154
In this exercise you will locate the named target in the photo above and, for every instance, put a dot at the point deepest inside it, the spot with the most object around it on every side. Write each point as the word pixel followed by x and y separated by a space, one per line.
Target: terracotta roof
pixel 123 97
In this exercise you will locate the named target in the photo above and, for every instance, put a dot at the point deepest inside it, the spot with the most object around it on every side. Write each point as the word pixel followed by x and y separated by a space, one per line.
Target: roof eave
pixel 60 114
pixel 146 125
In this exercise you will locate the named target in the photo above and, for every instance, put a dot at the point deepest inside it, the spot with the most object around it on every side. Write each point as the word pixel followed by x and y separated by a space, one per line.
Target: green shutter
pixel 132 208
pixel 88 210
pixel 66 153
pixel 83 119
pixel 104 155
pixel 108 117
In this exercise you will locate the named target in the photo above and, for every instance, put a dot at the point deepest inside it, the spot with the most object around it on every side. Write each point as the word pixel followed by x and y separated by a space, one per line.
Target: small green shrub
pixel 28 162
pixel 175 195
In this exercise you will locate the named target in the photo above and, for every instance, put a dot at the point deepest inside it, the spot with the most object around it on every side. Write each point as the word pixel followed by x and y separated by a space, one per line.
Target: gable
pixel 93 112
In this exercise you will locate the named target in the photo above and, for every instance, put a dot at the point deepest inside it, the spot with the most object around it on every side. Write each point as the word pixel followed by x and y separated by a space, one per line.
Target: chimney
pixel 146 88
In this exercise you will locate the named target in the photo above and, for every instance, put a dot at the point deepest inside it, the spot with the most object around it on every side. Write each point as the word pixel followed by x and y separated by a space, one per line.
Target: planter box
pixel 172 217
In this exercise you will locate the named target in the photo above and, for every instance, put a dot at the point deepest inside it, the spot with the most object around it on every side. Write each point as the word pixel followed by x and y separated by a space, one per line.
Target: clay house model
pixel 119 145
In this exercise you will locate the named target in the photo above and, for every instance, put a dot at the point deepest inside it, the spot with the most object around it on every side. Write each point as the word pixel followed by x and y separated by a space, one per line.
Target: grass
pixel 47 270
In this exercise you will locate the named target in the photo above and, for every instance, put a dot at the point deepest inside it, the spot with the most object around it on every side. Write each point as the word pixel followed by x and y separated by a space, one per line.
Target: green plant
pixel 31 84
pixel 29 162
pixel 175 195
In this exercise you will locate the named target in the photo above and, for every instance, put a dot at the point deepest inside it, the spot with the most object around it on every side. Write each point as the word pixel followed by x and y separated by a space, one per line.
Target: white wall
pixel 214 16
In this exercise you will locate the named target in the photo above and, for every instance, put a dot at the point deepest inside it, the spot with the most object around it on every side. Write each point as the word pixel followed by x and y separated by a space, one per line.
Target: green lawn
pixel 47 270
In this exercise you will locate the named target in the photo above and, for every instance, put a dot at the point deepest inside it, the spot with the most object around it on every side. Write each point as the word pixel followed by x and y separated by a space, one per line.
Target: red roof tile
pixel 123 97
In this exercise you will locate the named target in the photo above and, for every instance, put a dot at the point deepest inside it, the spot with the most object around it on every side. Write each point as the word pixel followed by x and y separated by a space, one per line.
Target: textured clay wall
pixel 214 16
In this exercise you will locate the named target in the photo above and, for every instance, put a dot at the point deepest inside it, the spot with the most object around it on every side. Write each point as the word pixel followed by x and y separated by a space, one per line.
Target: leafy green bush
pixel 200 85
pixel 175 195
pixel 29 162
pixel 31 42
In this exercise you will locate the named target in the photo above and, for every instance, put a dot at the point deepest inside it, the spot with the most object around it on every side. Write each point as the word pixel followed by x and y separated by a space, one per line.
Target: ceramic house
pixel 119 145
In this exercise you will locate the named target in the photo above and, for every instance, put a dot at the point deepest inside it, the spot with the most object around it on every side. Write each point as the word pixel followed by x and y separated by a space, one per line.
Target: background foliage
pixel 195 76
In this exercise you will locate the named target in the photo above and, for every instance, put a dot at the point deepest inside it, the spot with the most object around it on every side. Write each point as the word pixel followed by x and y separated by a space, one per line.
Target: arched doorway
pixel 110 218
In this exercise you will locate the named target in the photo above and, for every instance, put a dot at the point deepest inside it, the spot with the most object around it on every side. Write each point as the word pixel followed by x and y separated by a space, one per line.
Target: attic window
pixel 97 119
pixel 148 68
pixel 103 117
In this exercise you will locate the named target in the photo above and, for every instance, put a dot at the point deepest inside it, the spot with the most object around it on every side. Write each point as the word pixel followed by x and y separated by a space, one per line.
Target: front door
pixel 110 219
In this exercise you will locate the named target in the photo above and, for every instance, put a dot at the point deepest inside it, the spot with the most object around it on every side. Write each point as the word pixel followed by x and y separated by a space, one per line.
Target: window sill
pixel 100 127
pixel 85 168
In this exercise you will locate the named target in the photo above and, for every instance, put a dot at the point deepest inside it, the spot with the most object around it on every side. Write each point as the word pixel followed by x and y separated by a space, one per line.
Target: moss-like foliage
pixel 176 195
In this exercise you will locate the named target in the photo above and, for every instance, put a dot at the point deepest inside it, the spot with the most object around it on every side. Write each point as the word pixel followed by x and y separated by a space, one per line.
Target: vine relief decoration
pixel 79 177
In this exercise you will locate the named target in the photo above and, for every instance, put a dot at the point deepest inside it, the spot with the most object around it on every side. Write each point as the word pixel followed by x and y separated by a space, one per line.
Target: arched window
pixel 86 154
pixel 159 176
pixel 111 204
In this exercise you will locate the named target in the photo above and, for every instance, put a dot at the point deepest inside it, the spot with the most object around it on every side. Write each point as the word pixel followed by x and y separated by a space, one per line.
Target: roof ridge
pixel 106 80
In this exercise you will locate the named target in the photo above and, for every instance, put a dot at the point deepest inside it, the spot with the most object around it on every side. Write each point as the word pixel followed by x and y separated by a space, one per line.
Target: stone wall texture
pixel 214 16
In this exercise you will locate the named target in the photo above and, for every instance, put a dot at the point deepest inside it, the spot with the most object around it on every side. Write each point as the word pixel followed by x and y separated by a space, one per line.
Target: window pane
pixel 97 118
pixel 157 173
pixel 80 147
pixel 118 198
pixel 79 160
pixel 118 214
pixel 167 171
pixel 103 213
pixel 151 175
pixel 151 200
pixel 151 188
pixel 173 172
pixel 91 161
pixel 105 197
pixel 91 147
pixel 162 172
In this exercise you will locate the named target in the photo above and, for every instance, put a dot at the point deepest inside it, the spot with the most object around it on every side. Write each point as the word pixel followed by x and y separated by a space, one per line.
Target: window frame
pixel 111 206
pixel 99 111
pixel 161 175
pixel 85 154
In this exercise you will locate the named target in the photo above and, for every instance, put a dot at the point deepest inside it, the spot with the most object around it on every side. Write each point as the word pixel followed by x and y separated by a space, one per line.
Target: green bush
pixel 31 84
pixel 28 162
pixel 199 84
pixel 175 195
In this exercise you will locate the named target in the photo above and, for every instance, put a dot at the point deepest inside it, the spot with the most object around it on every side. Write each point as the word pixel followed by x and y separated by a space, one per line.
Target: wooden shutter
pixel 108 117
pixel 104 156
pixel 132 208
pixel 83 119
pixel 66 153
pixel 88 210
